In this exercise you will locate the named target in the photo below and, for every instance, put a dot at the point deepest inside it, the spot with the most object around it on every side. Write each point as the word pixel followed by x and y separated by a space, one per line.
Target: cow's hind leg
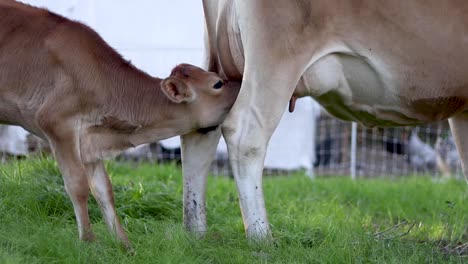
pixel 102 190
pixel 266 90
pixel 459 128
pixel 198 150
pixel 275 59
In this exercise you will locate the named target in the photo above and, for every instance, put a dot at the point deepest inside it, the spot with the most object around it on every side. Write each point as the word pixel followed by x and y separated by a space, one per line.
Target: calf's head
pixel 206 97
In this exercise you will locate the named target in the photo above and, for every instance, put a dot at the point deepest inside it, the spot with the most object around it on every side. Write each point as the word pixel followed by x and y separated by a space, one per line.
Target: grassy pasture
pixel 332 220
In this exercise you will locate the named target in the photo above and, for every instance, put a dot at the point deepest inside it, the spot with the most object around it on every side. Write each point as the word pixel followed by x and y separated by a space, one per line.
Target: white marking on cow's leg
pixel 459 128
pixel 102 190
pixel 264 96
pixel 198 151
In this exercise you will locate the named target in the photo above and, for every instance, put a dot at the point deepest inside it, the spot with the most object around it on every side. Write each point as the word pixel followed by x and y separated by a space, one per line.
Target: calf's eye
pixel 218 85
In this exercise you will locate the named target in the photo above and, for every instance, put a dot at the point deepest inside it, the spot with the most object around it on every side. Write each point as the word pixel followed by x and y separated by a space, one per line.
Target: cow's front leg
pixel 459 128
pixel 198 150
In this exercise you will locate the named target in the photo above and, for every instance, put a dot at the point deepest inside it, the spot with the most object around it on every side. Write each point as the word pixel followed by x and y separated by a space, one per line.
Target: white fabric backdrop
pixel 13 140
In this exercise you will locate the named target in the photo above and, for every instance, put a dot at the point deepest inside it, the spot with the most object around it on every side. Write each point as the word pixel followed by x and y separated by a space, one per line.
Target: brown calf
pixel 62 82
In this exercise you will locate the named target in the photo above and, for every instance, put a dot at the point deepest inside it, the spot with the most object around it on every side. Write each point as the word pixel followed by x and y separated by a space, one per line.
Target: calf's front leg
pixel 101 189
pixel 459 127
pixel 65 149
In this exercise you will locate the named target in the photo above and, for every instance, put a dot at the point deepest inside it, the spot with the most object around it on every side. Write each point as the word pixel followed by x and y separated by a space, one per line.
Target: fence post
pixel 353 149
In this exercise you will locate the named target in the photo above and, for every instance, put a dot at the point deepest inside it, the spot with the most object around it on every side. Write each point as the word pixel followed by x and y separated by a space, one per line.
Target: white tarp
pixel 13 140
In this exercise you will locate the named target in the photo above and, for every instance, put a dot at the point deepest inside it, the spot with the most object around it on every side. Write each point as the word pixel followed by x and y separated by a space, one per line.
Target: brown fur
pixel 379 62
pixel 61 81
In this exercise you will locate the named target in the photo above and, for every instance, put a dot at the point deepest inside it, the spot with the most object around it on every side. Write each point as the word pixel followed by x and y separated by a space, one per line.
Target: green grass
pixel 332 220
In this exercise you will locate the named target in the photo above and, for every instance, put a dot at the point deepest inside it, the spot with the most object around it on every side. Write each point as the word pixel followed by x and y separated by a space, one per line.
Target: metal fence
pixel 398 151
pixel 347 149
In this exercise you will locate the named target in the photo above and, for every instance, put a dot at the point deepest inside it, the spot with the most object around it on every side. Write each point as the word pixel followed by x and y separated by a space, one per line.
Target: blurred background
pixel 156 35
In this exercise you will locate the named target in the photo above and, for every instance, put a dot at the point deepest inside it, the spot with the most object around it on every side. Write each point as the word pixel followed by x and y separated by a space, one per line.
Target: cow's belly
pixel 353 87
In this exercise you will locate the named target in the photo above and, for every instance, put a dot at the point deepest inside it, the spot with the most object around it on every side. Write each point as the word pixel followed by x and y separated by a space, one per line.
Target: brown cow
pixel 378 62
pixel 62 82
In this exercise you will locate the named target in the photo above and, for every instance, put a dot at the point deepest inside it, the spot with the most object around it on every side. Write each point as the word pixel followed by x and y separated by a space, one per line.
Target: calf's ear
pixel 177 91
